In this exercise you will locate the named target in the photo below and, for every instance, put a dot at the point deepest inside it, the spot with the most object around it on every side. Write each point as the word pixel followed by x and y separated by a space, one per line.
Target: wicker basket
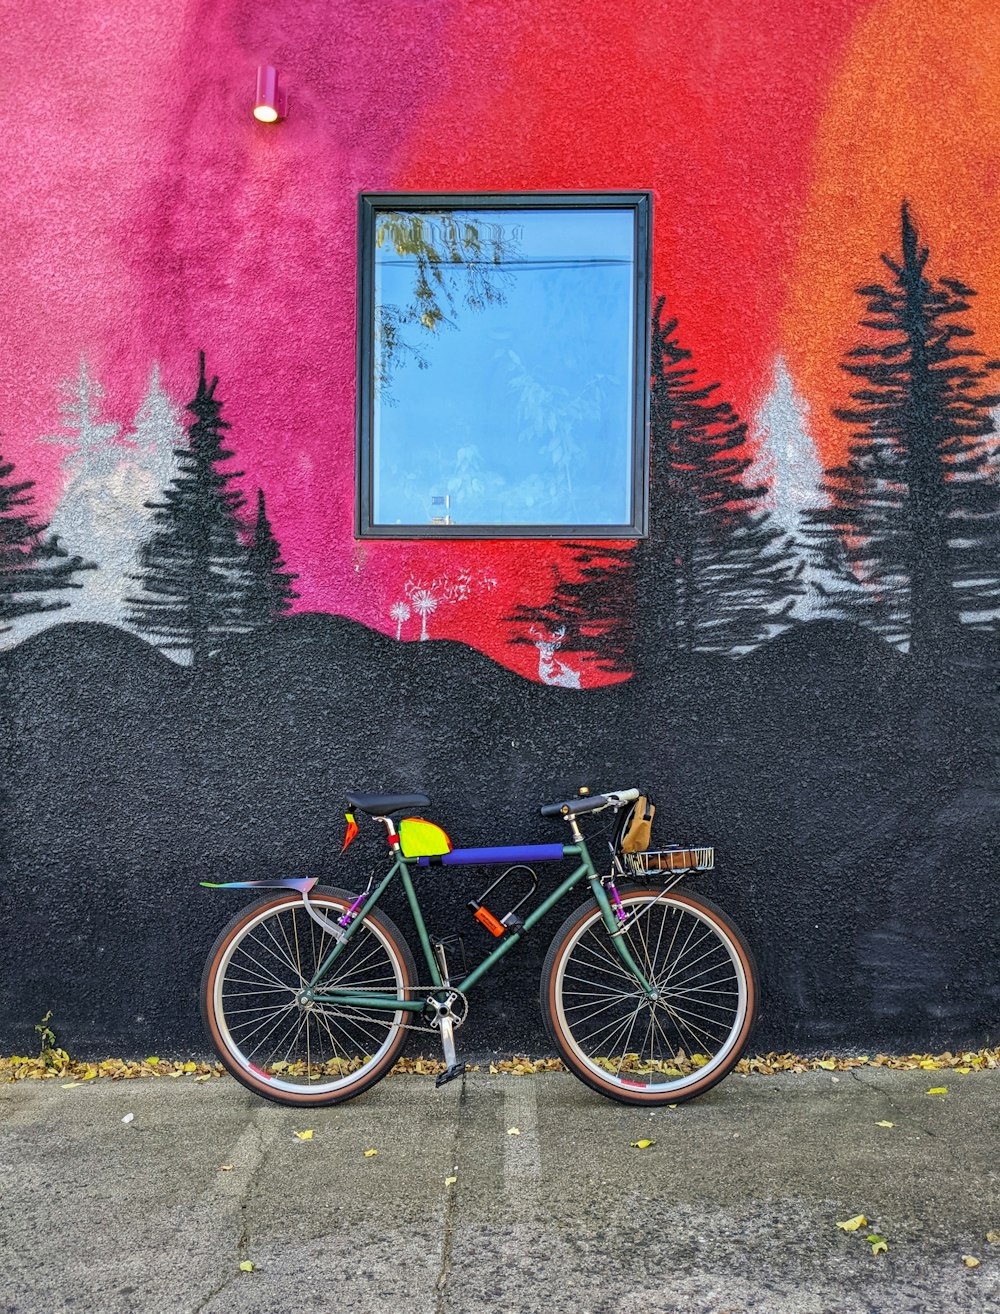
pixel 655 861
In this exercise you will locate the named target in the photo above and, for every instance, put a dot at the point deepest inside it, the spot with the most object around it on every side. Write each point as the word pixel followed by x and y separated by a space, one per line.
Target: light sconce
pixel 270 103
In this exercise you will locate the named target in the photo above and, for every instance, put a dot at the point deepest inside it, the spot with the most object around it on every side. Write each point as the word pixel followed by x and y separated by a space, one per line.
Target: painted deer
pixel 550 669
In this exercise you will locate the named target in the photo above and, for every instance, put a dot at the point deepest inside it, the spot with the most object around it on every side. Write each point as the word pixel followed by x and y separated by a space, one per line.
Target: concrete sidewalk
pixel 733 1209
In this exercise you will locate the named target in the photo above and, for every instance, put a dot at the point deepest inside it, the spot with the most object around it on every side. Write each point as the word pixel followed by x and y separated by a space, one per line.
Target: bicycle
pixel 648 992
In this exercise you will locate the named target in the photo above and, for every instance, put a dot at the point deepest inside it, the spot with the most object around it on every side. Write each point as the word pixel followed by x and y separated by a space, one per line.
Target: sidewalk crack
pixel 896 1108
pixel 451 1211
pixel 245 1201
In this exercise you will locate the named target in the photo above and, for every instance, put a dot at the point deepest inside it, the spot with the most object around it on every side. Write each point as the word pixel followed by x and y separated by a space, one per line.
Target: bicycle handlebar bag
pixel 422 839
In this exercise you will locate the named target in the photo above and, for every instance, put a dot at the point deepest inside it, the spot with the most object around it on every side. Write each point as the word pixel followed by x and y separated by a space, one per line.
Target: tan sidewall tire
pixel 366 1077
pixel 550 1011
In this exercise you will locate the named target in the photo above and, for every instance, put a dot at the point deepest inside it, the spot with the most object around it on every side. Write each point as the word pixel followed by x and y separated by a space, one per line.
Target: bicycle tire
pixel 289 946
pixel 591 1003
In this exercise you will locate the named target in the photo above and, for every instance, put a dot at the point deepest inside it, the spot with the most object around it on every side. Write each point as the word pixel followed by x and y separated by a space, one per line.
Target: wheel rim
pixel 297 1048
pixel 679 1040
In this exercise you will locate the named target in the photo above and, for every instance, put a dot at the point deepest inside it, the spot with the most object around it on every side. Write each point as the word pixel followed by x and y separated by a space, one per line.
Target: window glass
pixel 500 368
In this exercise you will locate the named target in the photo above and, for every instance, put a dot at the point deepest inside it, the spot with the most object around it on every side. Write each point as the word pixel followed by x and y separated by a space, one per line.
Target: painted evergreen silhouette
pixel 194 568
pixel 714 573
pixel 270 594
pixel 914 507
pixel 32 564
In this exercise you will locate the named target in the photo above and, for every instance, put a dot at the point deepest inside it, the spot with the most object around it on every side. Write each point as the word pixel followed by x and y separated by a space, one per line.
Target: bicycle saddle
pixel 380 805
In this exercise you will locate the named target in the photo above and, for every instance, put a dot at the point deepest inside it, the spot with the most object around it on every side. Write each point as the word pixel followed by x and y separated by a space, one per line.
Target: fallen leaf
pixel 128 1118
pixel 828 1065
pixel 993 1238
pixel 246 1266
pixel 930 1064
pixel 71 1085
pixel 89 1075
pixel 879 1245
pixel 964 1071
pixel 225 1167
pixel 207 1076
pixel 152 1062
pixel 938 1090
pixel 852 1224
pixel 370 1154
pixel 450 1181
pixel 885 1124
pixel 303 1135
pixel 189 1067
pixel 970 1261
pixel 513 1131
pixel 641 1145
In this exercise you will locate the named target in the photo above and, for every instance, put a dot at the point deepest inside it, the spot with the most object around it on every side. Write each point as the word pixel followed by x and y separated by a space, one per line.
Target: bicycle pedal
pixel 449 1074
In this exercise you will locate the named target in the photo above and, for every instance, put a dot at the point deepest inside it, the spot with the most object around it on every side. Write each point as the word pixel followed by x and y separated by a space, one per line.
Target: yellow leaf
pixel 827 1065
pixel 641 1145
pixel 303 1136
pixel 938 1090
pixel 993 1238
pixel 370 1154
pixel 885 1124
pixel 225 1167
pixel 89 1075
pixel 190 1067
pixel 964 1071
pixel 929 1064
pixel 152 1062
pixel 71 1085
pixel 513 1131
pixel 246 1266
pixel 450 1181
pixel 205 1077
pixel 852 1224
pixel 879 1245
pixel 970 1261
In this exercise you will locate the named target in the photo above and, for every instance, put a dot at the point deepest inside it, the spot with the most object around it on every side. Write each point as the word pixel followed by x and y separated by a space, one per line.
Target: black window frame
pixel 369 204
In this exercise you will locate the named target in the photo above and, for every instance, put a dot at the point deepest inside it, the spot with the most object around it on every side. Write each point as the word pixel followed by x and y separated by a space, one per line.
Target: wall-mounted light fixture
pixel 270 103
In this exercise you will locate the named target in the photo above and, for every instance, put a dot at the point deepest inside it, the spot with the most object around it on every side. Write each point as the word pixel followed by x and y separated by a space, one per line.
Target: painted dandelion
pixel 400 613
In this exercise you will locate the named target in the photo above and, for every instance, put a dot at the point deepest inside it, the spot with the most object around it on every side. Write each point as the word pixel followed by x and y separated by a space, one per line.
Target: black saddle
pixel 381 805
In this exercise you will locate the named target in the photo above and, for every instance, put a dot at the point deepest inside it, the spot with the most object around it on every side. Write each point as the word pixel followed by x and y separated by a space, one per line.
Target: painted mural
pixel 197 658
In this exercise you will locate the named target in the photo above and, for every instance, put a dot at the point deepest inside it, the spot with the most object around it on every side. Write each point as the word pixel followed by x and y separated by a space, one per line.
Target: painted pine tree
pixel 33 565
pixel 914 501
pixel 194 568
pixel 715 573
pixel 270 594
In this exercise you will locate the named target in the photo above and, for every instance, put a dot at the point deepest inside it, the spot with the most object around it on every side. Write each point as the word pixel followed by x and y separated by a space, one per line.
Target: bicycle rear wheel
pixel 669 1049
pixel 304 1053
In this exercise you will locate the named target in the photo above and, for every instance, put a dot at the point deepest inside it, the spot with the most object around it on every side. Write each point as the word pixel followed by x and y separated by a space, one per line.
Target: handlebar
pixel 591 803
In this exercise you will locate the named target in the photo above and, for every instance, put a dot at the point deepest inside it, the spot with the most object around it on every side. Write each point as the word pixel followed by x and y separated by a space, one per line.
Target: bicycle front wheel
pixel 660 1051
pixel 288 1050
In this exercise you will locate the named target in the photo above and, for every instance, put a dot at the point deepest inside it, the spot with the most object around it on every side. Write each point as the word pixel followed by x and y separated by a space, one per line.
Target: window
pixel 503 365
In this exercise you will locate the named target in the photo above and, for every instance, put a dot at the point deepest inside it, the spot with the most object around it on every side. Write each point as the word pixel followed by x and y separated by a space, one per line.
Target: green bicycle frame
pixel 401 867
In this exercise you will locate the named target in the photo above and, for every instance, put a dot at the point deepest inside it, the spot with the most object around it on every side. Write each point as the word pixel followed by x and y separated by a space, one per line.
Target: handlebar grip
pixel 574 806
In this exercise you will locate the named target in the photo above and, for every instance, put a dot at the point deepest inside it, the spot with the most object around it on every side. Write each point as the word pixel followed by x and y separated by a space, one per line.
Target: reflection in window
pixel 503 356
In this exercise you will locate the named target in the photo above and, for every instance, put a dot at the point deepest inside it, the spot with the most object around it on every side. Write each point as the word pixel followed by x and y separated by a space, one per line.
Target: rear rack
pixel 677 859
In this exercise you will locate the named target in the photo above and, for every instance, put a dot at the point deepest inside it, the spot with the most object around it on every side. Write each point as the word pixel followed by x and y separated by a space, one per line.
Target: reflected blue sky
pixel 519 411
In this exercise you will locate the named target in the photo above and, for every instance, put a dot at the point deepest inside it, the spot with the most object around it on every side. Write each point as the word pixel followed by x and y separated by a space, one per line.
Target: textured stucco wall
pixel 852 798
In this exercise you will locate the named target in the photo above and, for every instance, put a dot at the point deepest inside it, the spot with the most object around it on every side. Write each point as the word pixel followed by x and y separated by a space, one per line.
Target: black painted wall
pixel 851 799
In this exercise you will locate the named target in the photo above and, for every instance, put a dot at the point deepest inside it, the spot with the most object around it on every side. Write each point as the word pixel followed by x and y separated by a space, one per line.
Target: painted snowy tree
pixel 194 568
pixel 788 466
pixel 270 594
pixel 110 478
pixel 915 502
pixel 33 565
